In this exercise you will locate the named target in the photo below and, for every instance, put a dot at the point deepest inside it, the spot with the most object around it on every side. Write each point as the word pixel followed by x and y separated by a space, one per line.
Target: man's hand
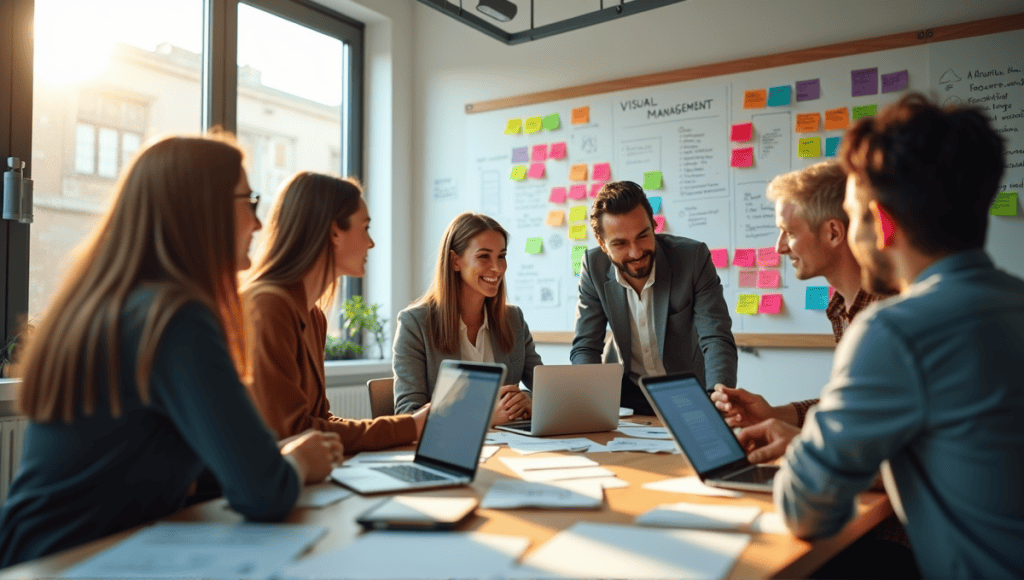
pixel 742 408
pixel 513 405
pixel 768 440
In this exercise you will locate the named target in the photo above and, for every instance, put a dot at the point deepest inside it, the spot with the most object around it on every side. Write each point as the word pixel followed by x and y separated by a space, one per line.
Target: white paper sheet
pixel 539 445
pixel 504 438
pixel 770 523
pixel 648 445
pixel 193 550
pixel 320 495
pixel 416 555
pixel 555 468
pixel 487 451
pixel 645 432
pixel 516 493
pixel 625 411
pixel 691 485
pixel 700 516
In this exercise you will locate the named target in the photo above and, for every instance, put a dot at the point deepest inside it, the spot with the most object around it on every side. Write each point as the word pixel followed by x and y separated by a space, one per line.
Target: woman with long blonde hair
pixel 317 231
pixel 464 315
pixel 131 379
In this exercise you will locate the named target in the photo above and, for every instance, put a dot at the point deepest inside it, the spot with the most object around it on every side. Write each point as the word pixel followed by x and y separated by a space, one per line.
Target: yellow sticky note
pixel 808 122
pixel 747 304
pixel 518 173
pixel 810 147
pixel 1005 204
pixel 533 124
pixel 755 99
pixel 581 115
pixel 578 231
pixel 578 213
pixel 836 119
pixel 555 218
pixel 578 172
pixel 514 126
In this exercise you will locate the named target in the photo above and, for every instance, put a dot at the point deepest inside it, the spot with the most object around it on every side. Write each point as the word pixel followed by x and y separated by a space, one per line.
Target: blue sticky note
pixel 520 155
pixel 816 298
pixel 779 96
pixel 655 203
pixel 832 145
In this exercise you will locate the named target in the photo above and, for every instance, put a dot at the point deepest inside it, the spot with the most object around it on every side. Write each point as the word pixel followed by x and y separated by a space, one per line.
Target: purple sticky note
pixel 557 195
pixel 744 258
pixel 808 90
pixel 557 150
pixel 602 172
pixel 748 279
pixel 864 82
pixel 540 153
pixel 520 155
pixel 578 191
pixel 897 81
pixel 536 171
pixel 595 188
pixel 720 258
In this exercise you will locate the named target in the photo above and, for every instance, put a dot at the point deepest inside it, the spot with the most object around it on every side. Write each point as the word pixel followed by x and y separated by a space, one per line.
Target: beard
pixel 645 272
pixel 878 275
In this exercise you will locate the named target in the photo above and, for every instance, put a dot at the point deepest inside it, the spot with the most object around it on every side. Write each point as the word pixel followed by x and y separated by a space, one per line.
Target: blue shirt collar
pixel 966 260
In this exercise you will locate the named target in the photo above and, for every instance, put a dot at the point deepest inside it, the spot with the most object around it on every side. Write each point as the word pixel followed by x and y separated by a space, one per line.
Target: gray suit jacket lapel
pixel 661 289
pixel 618 316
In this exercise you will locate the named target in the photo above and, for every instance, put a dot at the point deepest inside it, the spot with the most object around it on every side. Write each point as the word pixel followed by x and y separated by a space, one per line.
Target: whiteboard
pixel 682 129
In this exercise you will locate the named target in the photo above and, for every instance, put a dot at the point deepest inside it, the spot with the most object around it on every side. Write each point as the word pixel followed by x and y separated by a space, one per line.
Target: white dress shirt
pixel 646 358
pixel 482 351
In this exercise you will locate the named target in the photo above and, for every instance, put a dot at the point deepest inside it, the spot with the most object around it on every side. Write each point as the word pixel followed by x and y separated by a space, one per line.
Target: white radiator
pixel 349 402
pixel 12 440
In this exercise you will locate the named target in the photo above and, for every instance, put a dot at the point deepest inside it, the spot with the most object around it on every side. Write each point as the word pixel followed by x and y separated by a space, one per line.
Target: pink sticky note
pixel 557 195
pixel 602 172
pixel 831 291
pixel 744 258
pixel 743 157
pixel 768 279
pixel 742 132
pixel 540 153
pixel 595 188
pixel 557 151
pixel 770 304
pixel 659 223
pixel 536 171
pixel 748 279
pixel 578 191
pixel 720 258
pixel 767 257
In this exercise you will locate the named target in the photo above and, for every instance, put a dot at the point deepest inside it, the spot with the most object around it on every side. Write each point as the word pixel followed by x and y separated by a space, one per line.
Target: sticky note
pixel 520 155
pixel 557 150
pixel 655 203
pixel 578 231
pixel 897 81
pixel 837 119
pixel 770 304
pixel 652 180
pixel 659 224
pixel 748 279
pixel 551 122
pixel 831 291
pixel 577 213
pixel 865 111
pixel 581 115
pixel 536 171
pixel 809 147
pixel 742 157
pixel 576 266
pixel 602 172
pixel 514 126
pixel 864 82
pixel 744 258
pixel 533 245
pixel 540 153
pixel 518 173
pixel 767 257
pixel 1005 204
pixel 746 304
pixel 720 258
pixel 595 188
pixel 578 172
pixel 533 124
pixel 556 218
pixel 816 298
pixel 742 132
pixel 832 146
pixel 780 96
pixel 578 191
pixel 578 250
pixel 557 195
pixel 808 122
pixel 808 90
pixel 768 278
pixel 755 99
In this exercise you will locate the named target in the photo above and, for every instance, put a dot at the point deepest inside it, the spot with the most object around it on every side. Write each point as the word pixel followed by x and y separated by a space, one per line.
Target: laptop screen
pixel 694 421
pixel 460 414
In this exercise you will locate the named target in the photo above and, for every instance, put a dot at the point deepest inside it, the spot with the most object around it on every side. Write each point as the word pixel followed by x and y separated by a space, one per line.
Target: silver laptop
pixel 449 449
pixel 572 399
pixel 702 434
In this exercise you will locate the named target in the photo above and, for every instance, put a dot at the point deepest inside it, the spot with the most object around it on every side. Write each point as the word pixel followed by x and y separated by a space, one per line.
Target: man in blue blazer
pixel 662 299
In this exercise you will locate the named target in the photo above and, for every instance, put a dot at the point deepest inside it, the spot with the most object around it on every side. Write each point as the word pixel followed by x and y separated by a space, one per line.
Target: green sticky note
pixel 533 245
pixel 518 173
pixel 576 265
pixel 652 180
pixel 578 213
pixel 577 252
pixel 1005 204
pixel 551 122
pixel 810 147
pixel 747 304
pixel 865 111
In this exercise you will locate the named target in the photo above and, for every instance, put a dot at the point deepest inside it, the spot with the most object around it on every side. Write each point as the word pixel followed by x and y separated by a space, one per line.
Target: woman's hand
pixel 420 416
pixel 513 405
pixel 315 453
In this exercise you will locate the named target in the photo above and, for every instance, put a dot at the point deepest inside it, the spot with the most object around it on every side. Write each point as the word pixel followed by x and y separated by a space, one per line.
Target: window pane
pixel 109 74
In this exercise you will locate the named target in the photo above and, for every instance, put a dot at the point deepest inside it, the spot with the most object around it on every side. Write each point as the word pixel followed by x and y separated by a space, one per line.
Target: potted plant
pixel 341 349
pixel 359 317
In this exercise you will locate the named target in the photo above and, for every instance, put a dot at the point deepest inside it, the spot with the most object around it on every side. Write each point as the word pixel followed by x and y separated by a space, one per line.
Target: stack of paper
pixel 538 445
pixel 700 516
pixel 648 445
pixel 644 432
pixel 516 493
pixel 691 485
pixel 555 468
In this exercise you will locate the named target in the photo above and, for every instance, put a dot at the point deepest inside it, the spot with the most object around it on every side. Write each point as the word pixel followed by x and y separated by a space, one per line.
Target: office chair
pixel 382 396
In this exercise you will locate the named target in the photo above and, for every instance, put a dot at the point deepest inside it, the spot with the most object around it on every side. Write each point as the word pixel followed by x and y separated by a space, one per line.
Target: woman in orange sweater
pixel 317 231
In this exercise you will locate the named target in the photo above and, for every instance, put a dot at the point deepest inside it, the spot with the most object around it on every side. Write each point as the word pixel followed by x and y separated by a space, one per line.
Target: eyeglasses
pixel 254 200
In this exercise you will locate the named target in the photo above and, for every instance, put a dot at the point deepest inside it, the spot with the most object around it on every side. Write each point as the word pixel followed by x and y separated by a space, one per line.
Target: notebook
pixel 449 449
pixel 702 434
pixel 572 399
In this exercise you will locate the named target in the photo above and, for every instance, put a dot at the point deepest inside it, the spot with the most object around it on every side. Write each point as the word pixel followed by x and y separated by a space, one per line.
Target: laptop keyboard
pixel 410 473
pixel 525 425
pixel 755 475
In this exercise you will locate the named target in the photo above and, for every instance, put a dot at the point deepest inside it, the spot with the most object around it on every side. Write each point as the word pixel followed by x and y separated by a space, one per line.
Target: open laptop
pixel 702 434
pixel 572 399
pixel 449 449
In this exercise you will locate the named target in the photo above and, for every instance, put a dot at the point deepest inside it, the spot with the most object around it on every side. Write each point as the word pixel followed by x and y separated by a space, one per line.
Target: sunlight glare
pixel 72 41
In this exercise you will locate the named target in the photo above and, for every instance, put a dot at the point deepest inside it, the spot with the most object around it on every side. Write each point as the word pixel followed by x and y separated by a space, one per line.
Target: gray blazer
pixel 415 360
pixel 691 316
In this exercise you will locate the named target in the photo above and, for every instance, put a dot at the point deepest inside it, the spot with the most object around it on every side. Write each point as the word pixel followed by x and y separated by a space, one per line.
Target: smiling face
pixel 878 274
pixel 808 252
pixel 246 223
pixel 481 267
pixel 628 240
pixel 352 245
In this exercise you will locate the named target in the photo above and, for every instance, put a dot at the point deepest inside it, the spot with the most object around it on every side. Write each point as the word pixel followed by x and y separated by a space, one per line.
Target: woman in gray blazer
pixel 464 316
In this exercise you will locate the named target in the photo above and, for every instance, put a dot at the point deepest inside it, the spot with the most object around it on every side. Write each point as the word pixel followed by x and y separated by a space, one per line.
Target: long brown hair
pixel 442 298
pixel 298 235
pixel 171 227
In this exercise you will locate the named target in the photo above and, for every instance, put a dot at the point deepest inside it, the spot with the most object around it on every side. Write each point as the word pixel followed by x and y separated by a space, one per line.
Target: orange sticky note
pixel 770 304
pixel 578 191
pixel 720 258
pixel 743 157
pixel 514 126
pixel 756 99
pixel 533 124
pixel 581 115
pixel 808 122
pixel 578 231
pixel 768 279
pixel 659 224
pixel 837 119
pixel 602 172
pixel 744 258
pixel 555 218
pixel 742 132
pixel 557 150
pixel 748 279
pixel 578 172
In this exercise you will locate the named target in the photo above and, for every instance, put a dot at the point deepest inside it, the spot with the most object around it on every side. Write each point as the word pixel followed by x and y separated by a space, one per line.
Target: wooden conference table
pixel 768 555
